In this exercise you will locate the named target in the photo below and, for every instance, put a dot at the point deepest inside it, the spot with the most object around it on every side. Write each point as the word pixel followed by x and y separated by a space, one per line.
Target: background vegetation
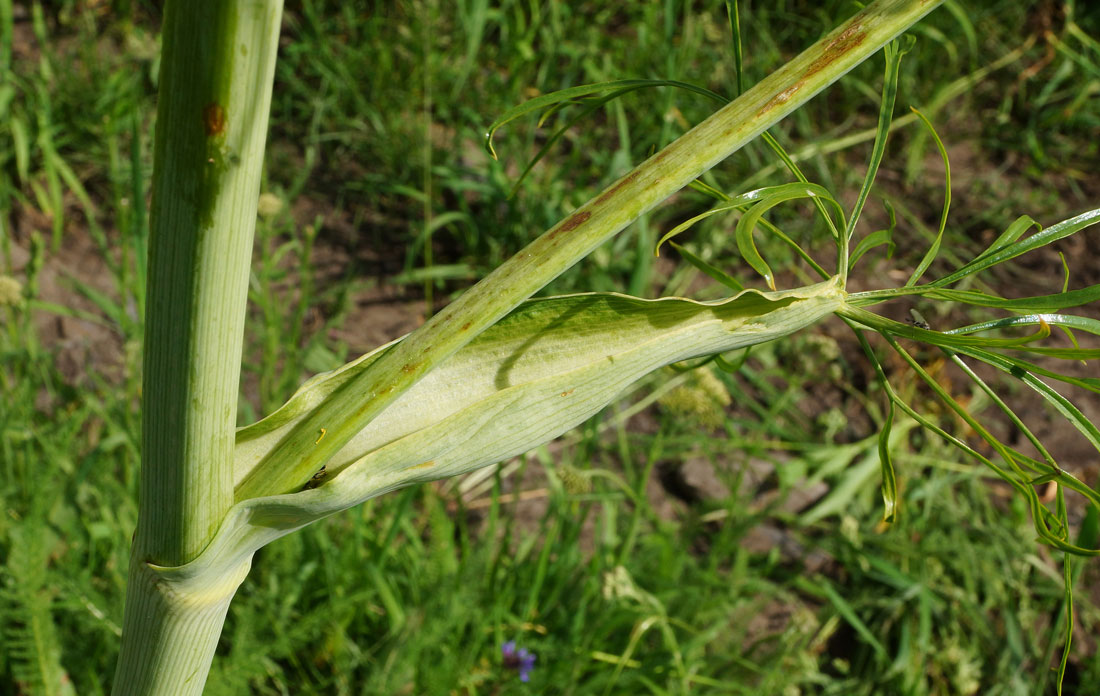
pixel 713 532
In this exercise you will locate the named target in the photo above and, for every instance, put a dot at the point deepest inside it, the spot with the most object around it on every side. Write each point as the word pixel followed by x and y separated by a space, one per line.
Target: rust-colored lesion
pixel 622 182
pixel 466 326
pixel 780 98
pixel 214 119
pixel 841 44
pixel 838 46
pixel 409 368
pixel 574 222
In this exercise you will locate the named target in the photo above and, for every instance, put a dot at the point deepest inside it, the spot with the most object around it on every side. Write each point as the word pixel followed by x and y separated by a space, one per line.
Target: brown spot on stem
pixel 780 98
pixel 622 182
pixel 466 326
pixel 573 222
pixel 844 42
pixel 838 46
pixel 213 119
pixel 409 368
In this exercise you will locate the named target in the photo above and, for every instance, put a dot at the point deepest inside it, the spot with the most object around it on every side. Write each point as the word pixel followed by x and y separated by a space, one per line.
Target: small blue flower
pixel 520 660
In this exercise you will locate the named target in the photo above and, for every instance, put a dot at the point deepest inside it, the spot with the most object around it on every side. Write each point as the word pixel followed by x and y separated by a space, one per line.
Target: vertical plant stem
pixel 215 92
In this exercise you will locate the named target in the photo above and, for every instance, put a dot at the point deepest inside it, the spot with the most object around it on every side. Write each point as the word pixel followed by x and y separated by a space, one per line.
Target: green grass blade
pixel 845 609
pixel 21 145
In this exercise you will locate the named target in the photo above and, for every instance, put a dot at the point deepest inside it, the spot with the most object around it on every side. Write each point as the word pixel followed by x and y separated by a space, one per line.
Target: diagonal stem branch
pixel 302 453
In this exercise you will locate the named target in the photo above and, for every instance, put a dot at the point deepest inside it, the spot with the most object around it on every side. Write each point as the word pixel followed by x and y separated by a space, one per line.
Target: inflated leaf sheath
pixel 547 366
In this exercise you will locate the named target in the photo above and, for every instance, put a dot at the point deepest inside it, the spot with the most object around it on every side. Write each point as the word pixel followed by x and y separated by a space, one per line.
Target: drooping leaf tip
pixel 489 145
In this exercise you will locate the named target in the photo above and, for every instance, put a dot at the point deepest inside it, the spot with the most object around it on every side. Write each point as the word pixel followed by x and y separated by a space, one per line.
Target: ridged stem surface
pixel 217 65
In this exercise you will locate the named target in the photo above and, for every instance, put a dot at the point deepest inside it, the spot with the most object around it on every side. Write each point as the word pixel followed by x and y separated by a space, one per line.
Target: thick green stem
pixel 215 92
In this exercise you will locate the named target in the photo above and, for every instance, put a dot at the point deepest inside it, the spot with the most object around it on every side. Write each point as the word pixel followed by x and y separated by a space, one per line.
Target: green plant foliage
pixel 30 635
pixel 576 550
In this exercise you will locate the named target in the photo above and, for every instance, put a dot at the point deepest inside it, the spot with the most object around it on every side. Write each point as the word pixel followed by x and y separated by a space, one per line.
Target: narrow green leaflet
pixel 1015 475
pixel 775 194
pixel 1042 303
pixel 1067 320
pixel 1007 410
pixel 1011 234
pixel 938 338
pixel 894 52
pixel 997 253
pixel 557 99
pixel 714 272
pixel 1055 399
pixel 889 476
pixel 859 472
pixel 547 366
pixel 876 238
pixel 591 105
pixel 748 221
pixel 1018 367
pixel 934 249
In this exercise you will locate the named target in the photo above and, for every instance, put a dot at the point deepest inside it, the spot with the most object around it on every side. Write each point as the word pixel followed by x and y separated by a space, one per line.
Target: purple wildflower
pixel 520 660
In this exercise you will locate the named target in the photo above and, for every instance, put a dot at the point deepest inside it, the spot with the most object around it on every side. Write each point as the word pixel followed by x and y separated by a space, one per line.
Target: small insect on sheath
pixel 317 480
